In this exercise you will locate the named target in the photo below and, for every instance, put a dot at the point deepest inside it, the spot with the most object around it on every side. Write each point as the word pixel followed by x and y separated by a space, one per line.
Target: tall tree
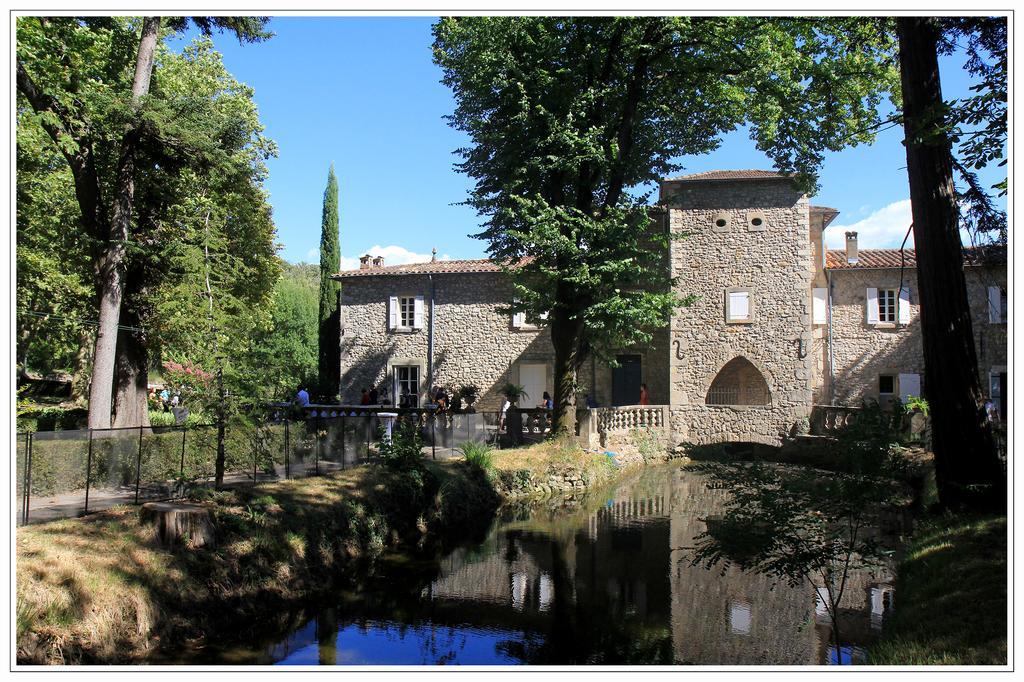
pixel 330 318
pixel 569 117
pixel 99 124
pixel 965 455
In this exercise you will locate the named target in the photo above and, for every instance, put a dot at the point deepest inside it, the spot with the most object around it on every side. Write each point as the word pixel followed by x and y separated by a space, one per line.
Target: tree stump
pixel 179 523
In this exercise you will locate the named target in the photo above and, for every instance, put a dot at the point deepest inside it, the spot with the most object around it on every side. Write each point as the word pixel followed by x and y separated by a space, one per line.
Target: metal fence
pixel 61 474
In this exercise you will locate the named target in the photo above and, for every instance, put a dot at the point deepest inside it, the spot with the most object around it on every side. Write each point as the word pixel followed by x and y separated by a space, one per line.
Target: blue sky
pixel 363 93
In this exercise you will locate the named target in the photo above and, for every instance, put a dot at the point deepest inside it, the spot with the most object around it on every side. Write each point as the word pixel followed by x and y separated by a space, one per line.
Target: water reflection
pixel 604 580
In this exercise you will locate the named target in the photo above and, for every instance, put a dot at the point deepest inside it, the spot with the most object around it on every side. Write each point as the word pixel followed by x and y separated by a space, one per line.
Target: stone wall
pixel 474 341
pixel 862 352
pixel 775 264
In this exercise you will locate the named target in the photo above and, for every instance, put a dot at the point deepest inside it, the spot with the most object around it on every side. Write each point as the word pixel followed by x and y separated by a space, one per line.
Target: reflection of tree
pixel 576 634
pixel 803 525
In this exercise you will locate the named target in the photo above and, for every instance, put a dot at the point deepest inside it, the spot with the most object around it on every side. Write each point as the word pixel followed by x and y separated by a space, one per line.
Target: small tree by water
pixel 802 525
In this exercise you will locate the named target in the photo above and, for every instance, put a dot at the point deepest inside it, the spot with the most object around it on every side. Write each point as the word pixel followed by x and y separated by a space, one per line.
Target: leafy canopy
pixel 569 117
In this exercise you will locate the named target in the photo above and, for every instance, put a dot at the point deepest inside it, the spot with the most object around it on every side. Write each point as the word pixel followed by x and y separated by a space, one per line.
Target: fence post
pixel 433 436
pixel 369 425
pixel 138 467
pixel 316 453
pixel 88 472
pixel 287 444
pixel 254 455
pixel 28 478
pixel 181 474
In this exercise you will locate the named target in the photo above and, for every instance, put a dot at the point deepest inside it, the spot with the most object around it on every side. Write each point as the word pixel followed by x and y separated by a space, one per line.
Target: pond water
pixel 605 578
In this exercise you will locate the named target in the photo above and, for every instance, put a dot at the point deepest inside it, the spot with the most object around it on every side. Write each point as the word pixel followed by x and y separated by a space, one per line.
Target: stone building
pixel 779 323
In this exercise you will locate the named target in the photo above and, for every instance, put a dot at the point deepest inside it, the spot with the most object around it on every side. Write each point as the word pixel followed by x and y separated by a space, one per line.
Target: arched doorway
pixel 738 383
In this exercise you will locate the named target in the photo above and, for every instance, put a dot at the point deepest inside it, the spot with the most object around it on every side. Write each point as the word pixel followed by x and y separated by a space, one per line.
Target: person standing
pixel 302 397
pixel 644 398
pixel 374 396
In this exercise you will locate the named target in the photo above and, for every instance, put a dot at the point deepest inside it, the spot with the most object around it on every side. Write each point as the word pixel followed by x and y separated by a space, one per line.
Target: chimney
pixel 851 248
pixel 364 262
pixel 433 255
pixel 378 262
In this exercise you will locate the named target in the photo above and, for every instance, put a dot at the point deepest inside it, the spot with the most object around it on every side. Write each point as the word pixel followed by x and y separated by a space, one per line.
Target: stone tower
pixel 740 361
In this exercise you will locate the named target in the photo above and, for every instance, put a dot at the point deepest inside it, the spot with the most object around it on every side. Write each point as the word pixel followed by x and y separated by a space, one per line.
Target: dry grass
pixel 102 589
pixel 551 455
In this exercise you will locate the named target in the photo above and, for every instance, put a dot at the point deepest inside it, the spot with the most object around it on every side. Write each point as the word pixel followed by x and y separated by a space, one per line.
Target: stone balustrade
pixel 628 417
pixel 826 420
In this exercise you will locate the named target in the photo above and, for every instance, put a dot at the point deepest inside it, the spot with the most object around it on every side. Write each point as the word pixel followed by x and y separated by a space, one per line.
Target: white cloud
pixel 313 256
pixel 393 255
pixel 882 229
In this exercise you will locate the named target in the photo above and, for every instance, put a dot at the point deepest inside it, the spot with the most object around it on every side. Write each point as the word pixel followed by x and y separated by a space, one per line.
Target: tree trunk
pixel 965 455
pixel 218 475
pixel 111 276
pixel 83 366
pixel 131 379
pixel 565 337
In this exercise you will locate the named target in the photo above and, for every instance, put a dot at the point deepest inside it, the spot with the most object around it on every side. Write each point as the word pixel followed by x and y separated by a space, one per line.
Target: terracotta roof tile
pixel 890 258
pixel 751 174
pixel 428 268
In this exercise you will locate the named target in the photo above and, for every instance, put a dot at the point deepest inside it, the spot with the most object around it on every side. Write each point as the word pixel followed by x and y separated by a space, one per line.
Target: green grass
pixel 950 596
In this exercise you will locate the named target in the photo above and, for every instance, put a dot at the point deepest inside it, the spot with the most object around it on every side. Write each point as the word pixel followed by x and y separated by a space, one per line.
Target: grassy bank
pixel 102 588
pixel 951 594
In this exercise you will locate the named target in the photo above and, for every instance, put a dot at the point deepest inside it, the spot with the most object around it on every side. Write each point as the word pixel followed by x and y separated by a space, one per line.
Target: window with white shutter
pixel 996 305
pixel 739 308
pixel 904 305
pixel 872 304
pixel 405 312
pixel 417 315
pixel 393 312
pixel 820 305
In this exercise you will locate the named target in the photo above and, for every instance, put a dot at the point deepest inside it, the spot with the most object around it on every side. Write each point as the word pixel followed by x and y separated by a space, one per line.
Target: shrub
pixel 478 455
pixel 404 450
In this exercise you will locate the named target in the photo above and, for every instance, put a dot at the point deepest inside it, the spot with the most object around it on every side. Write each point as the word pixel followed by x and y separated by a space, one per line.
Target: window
pixel 407 307
pixel 405 312
pixel 738 383
pixel 756 221
pixel 739 307
pixel 887 305
pixel 819 305
pixel 886 385
pixel 407 386
pixel 997 305
pixel 720 222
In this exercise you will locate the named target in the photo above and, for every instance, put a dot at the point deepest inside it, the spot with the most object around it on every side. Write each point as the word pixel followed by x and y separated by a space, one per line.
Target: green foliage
pixel 469 393
pixel 330 263
pixel 200 262
pixel 569 116
pixel 514 392
pixel 479 456
pixel 647 444
pixel 404 450
pixel 915 403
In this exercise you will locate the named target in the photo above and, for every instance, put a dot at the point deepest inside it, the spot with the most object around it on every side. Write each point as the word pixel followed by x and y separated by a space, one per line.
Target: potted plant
pixel 513 418
pixel 468 394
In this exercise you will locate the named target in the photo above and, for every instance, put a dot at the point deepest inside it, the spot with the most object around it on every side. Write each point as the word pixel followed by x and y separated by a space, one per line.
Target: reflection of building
pixel 779 323
pixel 623 574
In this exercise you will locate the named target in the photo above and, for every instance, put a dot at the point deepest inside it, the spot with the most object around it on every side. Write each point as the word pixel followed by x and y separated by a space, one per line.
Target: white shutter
pixel 995 306
pixel 417 315
pixel 904 305
pixel 518 319
pixel 820 305
pixel 393 312
pixel 872 298
pixel 910 384
pixel 739 305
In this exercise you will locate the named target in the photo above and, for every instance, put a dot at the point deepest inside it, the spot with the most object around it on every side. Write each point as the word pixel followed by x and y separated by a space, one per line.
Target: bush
pixel 479 455
pixel 404 450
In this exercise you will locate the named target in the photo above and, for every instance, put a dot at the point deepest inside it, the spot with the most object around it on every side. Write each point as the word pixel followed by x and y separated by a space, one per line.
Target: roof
pixel 828 212
pixel 428 268
pixel 750 174
pixel 875 259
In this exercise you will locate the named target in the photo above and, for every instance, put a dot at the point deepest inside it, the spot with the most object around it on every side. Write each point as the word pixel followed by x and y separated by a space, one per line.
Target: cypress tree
pixel 329 365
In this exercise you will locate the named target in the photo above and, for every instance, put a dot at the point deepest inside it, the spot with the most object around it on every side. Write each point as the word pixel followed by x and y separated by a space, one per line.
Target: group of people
pixel 166 399
pixel 370 396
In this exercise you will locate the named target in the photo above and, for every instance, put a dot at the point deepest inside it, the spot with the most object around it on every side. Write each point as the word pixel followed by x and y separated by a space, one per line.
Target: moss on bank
pixel 950 596
pixel 102 589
